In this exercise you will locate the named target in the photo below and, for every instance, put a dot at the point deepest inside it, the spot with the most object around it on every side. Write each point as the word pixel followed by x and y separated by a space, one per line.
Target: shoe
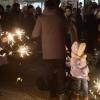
pixel 62 96
pixel 75 97
pixel 86 98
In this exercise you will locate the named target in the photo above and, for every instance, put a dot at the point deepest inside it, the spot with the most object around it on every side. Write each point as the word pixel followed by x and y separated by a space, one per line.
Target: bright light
pixel 24 51
pixel 97 85
pixel 38 4
pixel 10 37
pixel 20 33
pixel 95 1
pixel 19 79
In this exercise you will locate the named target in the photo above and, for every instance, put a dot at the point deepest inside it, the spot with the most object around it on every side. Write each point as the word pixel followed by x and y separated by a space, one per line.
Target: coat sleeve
pixel 77 64
pixel 37 29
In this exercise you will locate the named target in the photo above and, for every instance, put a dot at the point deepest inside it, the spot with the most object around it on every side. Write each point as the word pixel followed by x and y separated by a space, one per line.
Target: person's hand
pixel 88 78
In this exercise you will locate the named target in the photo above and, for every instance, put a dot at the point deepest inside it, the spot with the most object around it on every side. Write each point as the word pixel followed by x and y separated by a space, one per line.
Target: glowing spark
pixel 2 33
pixel 3 55
pixel 24 51
pixel 1 49
pixel 10 37
pixel 19 79
pixel 27 37
pixel 97 85
pixel 10 53
pixel 93 94
pixel 20 33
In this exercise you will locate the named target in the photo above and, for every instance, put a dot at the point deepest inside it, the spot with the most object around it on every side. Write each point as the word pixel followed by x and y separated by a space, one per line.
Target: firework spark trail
pixel 93 94
pixel 24 51
pixel 11 39
pixel 20 33
pixel 95 90
pixel 97 85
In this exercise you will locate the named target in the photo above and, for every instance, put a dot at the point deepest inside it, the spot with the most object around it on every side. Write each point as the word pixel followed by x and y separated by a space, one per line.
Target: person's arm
pixel 37 29
pixel 76 63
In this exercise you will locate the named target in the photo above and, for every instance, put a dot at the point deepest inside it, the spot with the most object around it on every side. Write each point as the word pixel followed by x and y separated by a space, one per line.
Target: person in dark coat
pixel 90 25
pixel 2 18
pixel 38 12
pixel 79 24
pixel 51 28
pixel 16 16
pixel 71 29
pixel 8 18
pixel 29 20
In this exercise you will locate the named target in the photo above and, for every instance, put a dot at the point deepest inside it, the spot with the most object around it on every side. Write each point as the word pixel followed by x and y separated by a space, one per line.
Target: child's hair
pixel 81 49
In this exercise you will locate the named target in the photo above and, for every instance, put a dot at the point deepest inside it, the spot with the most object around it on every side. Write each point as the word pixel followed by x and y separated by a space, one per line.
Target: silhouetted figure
pixel 2 18
pixel 29 20
pixel 38 12
pixel 16 16
pixel 51 29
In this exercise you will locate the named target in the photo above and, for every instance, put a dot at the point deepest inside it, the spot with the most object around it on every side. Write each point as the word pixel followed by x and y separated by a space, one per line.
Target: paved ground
pixel 29 71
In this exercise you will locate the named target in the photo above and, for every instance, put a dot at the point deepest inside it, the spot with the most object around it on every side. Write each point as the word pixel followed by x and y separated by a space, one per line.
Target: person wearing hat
pixel 51 29
pixel 79 70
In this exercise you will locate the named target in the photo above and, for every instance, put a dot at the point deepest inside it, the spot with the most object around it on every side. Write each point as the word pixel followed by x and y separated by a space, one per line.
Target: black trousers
pixel 55 75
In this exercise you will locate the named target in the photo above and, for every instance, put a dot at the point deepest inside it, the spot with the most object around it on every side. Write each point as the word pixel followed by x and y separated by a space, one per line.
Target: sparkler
pixel 19 33
pixel 24 51
pixel 97 85
pixel 10 53
pixel 10 38
pixel 95 91
pixel 3 55
pixel 93 94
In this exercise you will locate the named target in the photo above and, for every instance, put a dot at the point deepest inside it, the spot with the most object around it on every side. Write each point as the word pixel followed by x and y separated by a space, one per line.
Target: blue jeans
pixel 80 84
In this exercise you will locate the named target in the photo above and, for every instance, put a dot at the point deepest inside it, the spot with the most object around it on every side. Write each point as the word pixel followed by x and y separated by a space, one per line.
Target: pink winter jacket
pixel 79 69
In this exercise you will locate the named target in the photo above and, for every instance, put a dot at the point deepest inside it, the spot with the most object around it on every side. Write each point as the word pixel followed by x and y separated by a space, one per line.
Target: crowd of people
pixel 58 27
pixel 82 23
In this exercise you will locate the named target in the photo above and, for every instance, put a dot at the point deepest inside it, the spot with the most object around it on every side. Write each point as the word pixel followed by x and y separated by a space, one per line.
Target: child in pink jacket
pixel 79 70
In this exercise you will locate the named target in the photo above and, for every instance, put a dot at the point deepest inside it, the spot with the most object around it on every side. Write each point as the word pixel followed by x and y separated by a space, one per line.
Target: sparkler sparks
pixel 97 85
pixel 10 38
pixel 19 79
pixel 3 55
pixel 95 89
pixel 93 94
pixel 20 33
pixel 14 40
pixel 24 51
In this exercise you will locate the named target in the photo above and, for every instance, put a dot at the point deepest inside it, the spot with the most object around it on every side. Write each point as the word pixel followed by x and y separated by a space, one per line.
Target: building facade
pixel 7 2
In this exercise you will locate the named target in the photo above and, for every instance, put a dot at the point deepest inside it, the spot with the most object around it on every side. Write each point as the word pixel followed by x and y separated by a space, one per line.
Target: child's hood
pixel 75 47
pixel 81 49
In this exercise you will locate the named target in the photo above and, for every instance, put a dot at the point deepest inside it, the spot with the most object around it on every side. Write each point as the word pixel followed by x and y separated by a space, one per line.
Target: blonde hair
pixel 81 49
